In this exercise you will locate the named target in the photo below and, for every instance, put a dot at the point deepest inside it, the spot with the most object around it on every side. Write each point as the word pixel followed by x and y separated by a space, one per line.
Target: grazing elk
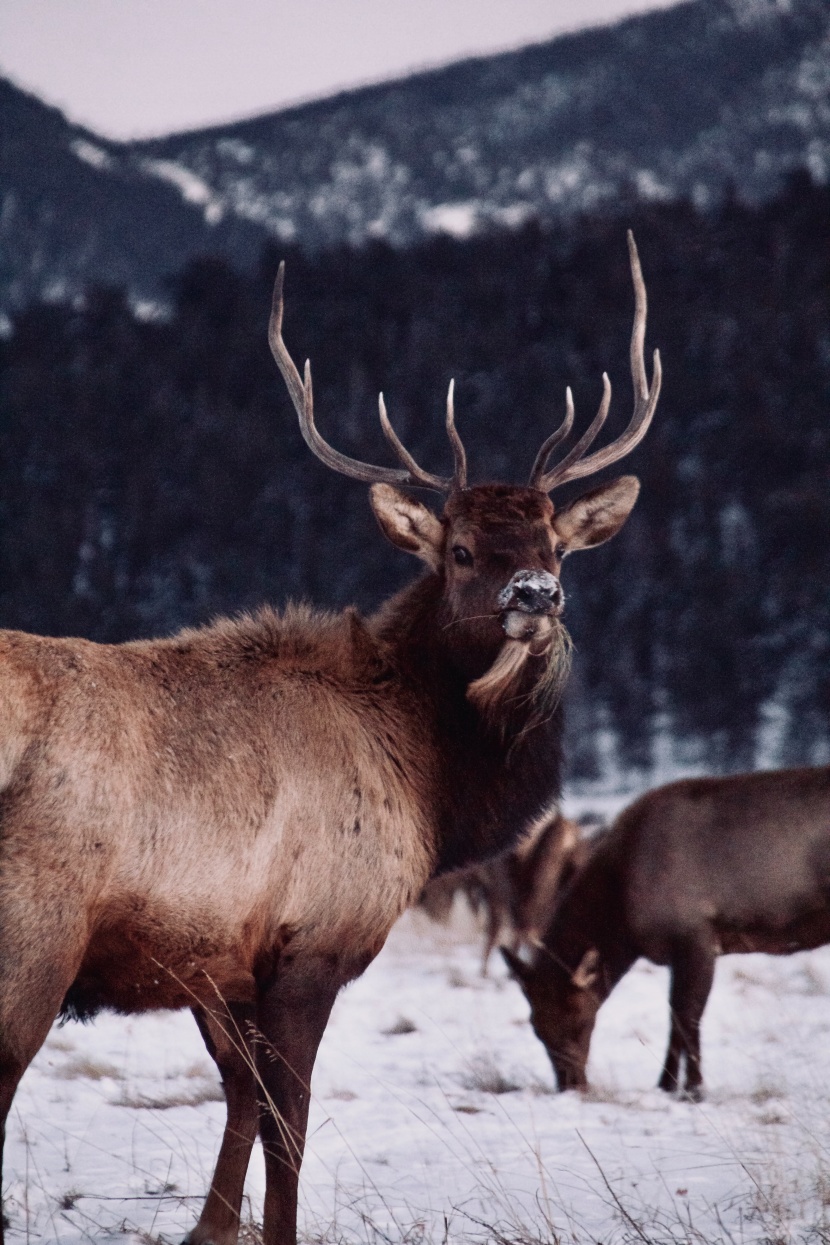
pixel 691 871
pixel 515 891
pixel 231 819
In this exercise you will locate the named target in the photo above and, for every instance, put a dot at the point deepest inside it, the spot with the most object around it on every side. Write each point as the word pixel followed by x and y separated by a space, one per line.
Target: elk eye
pixel 462 555
pixel 560 551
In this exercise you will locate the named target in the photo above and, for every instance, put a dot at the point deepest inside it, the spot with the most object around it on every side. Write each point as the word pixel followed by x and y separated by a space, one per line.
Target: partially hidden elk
pixel 514 893
pixel 691 871
pixel 231 819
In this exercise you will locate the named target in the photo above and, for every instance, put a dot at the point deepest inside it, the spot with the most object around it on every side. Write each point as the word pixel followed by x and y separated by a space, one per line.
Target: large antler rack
pixel 575 465
pixel 303 399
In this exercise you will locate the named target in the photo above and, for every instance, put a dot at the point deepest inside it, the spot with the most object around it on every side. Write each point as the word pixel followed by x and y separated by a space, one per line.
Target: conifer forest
pixel 152 474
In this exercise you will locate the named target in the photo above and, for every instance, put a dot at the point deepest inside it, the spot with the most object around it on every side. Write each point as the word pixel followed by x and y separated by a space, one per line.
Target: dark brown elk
pixel 691 871
pixel 231 819
pixel 514 893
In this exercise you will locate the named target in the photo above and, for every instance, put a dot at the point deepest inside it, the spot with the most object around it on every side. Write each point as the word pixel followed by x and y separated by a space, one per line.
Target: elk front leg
pixel 692 973
pixel 41 946
pixel 292 1015
pixel 227 1032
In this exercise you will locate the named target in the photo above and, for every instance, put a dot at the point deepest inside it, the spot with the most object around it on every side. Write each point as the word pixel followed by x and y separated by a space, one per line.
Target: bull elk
pixel 691 871
pixel 231 819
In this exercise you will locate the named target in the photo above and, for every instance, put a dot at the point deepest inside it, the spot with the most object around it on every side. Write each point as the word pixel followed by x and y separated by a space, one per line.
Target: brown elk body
pixel 691 871
pixel 232 819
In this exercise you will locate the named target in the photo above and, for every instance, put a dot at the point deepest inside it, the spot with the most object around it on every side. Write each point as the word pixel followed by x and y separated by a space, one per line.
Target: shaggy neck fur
pixel 497 769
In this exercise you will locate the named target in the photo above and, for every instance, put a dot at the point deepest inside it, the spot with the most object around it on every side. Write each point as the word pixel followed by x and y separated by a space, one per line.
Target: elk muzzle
pixel 530 598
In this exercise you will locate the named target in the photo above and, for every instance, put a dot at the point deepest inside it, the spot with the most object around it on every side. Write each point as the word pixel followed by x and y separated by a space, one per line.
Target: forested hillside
pixel 666 106
pixel 70 214
pixel 152 474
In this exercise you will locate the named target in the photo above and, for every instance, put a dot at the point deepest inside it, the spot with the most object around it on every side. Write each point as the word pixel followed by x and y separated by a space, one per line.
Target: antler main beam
pixel 575 465
pixel 303 398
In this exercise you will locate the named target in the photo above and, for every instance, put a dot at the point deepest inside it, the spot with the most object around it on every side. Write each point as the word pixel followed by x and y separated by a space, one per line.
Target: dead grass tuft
pixel 772 1117
pixel 402 1025
pixel 188 1098
pixel 59 1041
pixel 813 981
pixel 82 1068
pixel 250 1234
pixel 485 1076
pixel 201 1070
pixel 822 1188
pixel 608 1095
pixel 765 1092
pixel 748 978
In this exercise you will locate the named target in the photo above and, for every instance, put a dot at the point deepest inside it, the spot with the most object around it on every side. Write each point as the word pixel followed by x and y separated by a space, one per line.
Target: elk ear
pixel 596 516
pixel 516 967
pixel 408 524
pixel 587 970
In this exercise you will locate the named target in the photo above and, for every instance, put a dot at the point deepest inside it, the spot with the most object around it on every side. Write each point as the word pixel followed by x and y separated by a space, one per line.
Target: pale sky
pixel 137 68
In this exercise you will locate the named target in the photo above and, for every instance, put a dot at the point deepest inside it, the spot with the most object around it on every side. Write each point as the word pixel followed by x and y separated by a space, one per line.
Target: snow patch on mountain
pixel 91 153
pixel 192 188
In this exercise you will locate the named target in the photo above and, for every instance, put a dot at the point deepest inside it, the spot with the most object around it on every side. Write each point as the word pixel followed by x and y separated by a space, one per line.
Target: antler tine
pixel 302 396
pixel 574 466
pixel 587 439
pixel 459 453
pixel 553 440
pixel 285 363
pixel 423 479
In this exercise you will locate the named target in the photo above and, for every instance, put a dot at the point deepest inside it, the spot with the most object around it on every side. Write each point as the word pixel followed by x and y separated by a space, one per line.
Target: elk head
pixel 496 550
pixel 563 1008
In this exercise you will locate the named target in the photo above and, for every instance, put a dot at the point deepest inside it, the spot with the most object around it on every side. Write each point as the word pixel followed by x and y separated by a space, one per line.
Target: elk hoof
pixel 692 1093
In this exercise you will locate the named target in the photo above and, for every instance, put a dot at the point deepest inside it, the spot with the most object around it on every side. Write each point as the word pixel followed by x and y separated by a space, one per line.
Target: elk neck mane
pixel 498 770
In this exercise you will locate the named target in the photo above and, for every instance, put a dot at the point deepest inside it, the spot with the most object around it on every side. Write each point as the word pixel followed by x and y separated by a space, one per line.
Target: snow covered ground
pixel 434 1118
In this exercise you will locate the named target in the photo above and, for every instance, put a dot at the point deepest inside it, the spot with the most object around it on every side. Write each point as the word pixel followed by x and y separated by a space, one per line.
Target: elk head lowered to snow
pixel 231 819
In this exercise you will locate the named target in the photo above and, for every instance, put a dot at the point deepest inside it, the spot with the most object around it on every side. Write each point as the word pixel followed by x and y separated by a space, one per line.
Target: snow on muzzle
pixel 530 599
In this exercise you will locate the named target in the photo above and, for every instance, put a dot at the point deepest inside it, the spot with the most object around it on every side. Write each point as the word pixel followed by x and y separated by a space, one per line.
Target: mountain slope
pixel 675 103
pixel 152 475
pixel 73 211
pixel 684 103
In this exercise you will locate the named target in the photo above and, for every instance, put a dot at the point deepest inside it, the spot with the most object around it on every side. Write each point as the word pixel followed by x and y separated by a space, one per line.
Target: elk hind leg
pixel 227 1033
pixel 692 974
pixel 671 1067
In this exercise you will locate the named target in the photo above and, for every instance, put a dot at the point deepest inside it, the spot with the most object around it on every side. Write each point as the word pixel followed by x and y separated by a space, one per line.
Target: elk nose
pixel 532 592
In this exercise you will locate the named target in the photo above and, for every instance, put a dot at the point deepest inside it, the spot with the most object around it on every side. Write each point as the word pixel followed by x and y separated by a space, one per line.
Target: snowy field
pixel 434 1118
